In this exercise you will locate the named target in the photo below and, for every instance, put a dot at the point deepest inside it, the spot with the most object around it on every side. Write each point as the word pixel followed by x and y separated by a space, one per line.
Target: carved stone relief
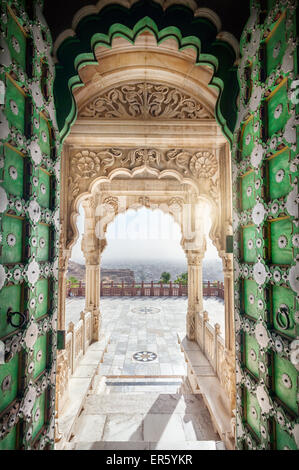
pixel 144 100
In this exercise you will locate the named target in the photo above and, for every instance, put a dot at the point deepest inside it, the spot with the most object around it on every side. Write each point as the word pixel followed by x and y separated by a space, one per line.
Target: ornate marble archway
pixel 146 135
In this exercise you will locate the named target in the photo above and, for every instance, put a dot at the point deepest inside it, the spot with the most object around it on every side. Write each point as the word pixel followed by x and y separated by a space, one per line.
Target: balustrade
pixel 146 289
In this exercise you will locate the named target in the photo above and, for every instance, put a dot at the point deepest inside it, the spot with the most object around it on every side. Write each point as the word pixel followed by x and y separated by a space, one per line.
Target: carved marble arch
pixel 144 99
pixel 106 204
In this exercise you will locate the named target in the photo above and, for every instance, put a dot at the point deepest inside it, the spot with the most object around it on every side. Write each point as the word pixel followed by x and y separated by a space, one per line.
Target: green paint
pixel 250 288
pixel 251 354
pixel 12 249
pixel 10 296
pixel 11 369
pixel 282 296
pixel 40 355
pixel 276 46
pixel 40 403
pixel 278 229
pixel 279 179
pixel 43 234
pixel 253 413
pixel 44 190
pixel 249 244
pixel 15 100
pixel 248 191
pixel 10 441
pixel 13 181
pixel 283 440
pixel 16 42
pixel 276 119
pixel 286 392
pixel 41 296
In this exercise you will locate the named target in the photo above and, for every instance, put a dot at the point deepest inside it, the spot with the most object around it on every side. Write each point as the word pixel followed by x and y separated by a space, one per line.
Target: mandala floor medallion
pixel 146 310
pixel 144 356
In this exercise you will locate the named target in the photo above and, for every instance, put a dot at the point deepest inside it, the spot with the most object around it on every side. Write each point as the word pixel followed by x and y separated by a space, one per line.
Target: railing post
pixel 170 293
pixel 82 317
pixel 216 334
pixel 71 329
pixel 142 288
pixel 152 288
pixel 161 289
pixel 205 319
pixel 101 288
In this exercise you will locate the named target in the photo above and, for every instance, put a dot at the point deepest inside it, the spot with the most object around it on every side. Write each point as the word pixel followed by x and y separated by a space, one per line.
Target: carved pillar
pixel 195 289
pixel 91 249
pixel 229 365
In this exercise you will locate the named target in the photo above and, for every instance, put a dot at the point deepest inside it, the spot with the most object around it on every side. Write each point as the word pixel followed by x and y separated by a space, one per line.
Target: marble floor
pixel 141 398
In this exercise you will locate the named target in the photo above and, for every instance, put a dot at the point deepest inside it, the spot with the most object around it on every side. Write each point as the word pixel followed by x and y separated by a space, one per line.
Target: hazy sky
pixel 141 235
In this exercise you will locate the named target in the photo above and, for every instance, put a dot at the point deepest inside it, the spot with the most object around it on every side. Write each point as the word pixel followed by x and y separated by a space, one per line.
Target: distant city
pixel 151 270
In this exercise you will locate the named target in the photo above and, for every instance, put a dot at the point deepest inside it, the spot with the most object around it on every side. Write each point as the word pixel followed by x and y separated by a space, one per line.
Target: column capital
pixel 227 263
pixel 194 257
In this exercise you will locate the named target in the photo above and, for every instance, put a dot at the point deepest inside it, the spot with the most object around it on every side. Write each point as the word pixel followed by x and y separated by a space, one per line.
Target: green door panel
pixel 249 244
pixel 251 297
pixel 29 231
pixel 277 109
pixel 285 298
pixel 43 235
pixel 44 188
pixel 251 352
pixel 283 439
pixel 10 441
pixel 265 215
pixel 38 414
pixel 247 141
pixel 9 373
pixel 280 237
pixel 276 44
pixel 285 382
pixel 44 136
pixel 15 100
pixel 13 171
pixel 12 245
pixel 40 355
pixel 10 297
pixel 253 413
pixel 279 174
pixel 248 190
pixel 16 41
pixel 41 295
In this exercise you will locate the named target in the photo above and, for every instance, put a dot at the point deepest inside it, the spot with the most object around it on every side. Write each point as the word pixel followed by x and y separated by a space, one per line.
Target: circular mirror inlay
pixel 14 107
pixel 13 173
pixel 278 111
pixel 11 239
pixel 279 176
pixel 286 381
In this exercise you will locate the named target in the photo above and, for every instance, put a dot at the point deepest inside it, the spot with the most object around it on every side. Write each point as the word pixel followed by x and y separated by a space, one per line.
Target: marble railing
pixel 78 338
pixel 211 343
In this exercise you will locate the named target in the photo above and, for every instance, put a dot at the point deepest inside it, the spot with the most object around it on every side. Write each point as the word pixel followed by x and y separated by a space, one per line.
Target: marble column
pixel 91 251
pixel 195 289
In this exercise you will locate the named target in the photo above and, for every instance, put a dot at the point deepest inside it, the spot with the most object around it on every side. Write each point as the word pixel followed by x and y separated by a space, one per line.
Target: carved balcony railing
pixel 146 289
pixel 78 338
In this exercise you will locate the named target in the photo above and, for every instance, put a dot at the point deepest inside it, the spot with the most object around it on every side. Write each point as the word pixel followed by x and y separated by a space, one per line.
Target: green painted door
pixel 266 240
pixel 29 230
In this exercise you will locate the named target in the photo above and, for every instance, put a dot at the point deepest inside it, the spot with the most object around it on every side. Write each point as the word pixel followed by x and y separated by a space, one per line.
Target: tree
pixel 183 279
pixel 165 277
pixel 74 281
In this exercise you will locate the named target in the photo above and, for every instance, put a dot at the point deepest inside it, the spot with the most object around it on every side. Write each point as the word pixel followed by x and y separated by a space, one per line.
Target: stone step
pixel 149 417
pixel 131 445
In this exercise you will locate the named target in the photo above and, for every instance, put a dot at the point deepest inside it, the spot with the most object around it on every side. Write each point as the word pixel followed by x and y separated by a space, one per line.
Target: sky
pixel 141 235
